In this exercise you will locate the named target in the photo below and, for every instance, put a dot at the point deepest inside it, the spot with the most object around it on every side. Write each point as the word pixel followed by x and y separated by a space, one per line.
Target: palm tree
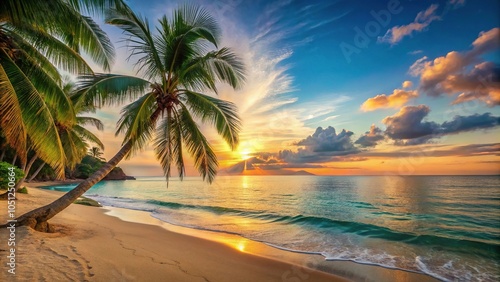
pixel 96 153
pixel 74 136
pixel 37 39
pixel 179 63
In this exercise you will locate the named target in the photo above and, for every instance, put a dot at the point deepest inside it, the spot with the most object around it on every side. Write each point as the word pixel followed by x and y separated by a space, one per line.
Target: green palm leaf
pixel 109 89
pixel 87 135
pixel 61 20
pixel 136 123
pixel 88 36
pixel 140 42
pixel 164 144
pixel 24 112
pixel 57 52
pixel 90 121
pixel 94 6
pixel 222 114
pixel 51 91
pixel 197 145
pixel 216 66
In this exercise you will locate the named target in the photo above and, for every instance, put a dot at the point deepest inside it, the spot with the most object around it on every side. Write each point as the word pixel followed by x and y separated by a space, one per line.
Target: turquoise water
pixel 445 226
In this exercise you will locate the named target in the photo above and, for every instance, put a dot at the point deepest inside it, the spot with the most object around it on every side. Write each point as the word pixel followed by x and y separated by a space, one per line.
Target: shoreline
pixel 276 263
pixel 350 270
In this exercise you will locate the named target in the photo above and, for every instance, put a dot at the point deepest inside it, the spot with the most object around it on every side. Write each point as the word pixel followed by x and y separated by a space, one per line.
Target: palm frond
pixel 88 36
pixel 75 148
pixel 135 121
pixel 140 41
pixel 12 124
pixel 35 40
pixel 51 91
pixel 222 114
pixel 87 135
pixel 163 145
pixel 174 48
pixel 168 144
pixel 197 145
pixel 33 12
pixel 202 22
pixel 90 121
pixel 62 21
pixel 222 66
pixel 28 53
pixel 95 6
pixel 108 89
pixel 25 113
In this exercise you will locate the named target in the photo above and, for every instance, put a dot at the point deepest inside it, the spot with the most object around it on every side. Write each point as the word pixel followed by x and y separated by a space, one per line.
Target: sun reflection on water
pixel 245 182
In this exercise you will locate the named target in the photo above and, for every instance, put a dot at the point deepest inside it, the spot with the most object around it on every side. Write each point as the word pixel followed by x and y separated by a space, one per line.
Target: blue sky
pixel 315 63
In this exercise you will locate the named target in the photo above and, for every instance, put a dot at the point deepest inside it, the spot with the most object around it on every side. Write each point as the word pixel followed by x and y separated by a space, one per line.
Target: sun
pixel 245 154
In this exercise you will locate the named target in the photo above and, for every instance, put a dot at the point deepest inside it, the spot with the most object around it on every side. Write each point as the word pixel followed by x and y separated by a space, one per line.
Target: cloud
pixel 471 150
pixel 422 20
pixel 407 127
pixel 323 107
pixel 324 145
pixel 267 163
pixel 469 123
pixel 407 84
pixel 327 140
pixel 481 83
pixel 370 138
pixel 331 117
pixel 463 73
pixel 486 42
pixel 396 99
pixel 489 162
pixel 408 124
pixel 415 52
pixel 457 3
pixel 302 156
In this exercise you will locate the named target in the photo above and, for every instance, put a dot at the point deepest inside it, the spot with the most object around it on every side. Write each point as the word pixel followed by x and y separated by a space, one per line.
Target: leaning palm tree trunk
pixel 36 172
pixel 27 169
pixel 37 219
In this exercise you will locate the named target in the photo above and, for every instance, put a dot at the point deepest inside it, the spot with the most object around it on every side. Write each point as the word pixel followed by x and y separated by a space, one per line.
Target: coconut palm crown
pixel 179 62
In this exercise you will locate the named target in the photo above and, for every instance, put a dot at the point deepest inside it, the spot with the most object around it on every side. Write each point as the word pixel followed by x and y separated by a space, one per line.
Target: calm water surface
pixel 445 226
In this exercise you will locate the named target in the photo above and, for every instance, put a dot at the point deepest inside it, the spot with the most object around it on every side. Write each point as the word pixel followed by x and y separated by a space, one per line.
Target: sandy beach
pixel 94 244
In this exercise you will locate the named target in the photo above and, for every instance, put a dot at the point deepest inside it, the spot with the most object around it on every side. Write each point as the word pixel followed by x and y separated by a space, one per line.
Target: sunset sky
pixel 351 87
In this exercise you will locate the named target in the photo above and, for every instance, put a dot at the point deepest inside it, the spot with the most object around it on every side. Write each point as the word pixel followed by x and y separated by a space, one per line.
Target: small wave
pixel 122 202
pixel 363 205
pixel 423 267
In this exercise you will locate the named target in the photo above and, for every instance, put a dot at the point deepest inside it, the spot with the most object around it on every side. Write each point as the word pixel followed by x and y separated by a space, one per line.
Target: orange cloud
pixel 463 73
pixel 398 98
pixel 407 84
pixel 422 20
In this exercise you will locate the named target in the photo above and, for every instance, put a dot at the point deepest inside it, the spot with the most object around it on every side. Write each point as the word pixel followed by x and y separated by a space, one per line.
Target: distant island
pixel 118 174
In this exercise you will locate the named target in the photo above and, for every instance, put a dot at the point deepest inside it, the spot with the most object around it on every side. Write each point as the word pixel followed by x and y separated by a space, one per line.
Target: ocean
pixel 447 227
